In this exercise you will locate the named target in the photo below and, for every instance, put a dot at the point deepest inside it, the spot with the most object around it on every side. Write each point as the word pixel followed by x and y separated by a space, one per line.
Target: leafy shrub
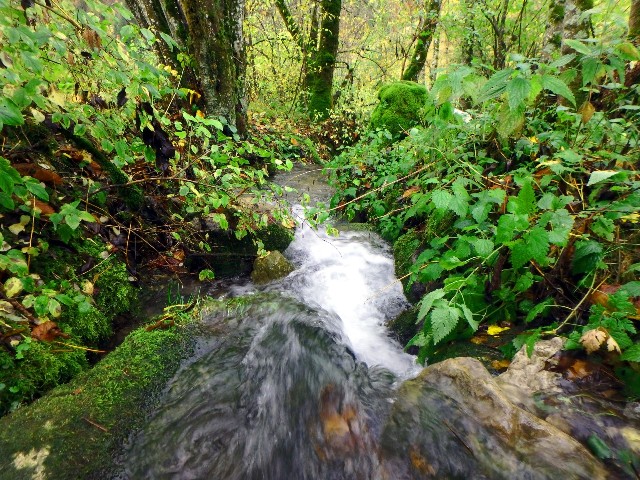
pixel 539 194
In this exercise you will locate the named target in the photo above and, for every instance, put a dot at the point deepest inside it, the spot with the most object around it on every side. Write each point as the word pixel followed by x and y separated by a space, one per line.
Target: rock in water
pixel 454 421
pixel 270 267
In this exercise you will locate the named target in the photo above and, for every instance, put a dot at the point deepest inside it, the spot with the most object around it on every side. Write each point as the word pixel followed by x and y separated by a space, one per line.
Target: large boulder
pixel 401 107
pixel 454 421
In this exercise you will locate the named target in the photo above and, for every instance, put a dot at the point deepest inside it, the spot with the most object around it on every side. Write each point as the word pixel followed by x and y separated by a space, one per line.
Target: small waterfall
pixel 291 380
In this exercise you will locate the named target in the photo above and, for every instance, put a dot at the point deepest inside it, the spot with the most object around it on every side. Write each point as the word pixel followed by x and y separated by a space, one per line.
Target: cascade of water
pixel 294 378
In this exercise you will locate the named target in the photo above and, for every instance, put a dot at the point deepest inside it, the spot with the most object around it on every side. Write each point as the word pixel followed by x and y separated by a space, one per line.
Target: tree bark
pixel 423 41
pixel 565 22
pixel 211 31
pixel 634 22
pixel 319 51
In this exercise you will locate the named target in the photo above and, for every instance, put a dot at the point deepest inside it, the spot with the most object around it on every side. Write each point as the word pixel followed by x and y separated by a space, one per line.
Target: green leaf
pixel 427 302
pixel 483 246
pixel 561 222
pixel 443 320
pixel 54 308
pixel 37 189
pixel 510 120
pixel 518 91
pixel 590 67
pixel 525 202
pixel 206 274
pixel 541 308
pixel 631 354
pixel 10 113
pixel 468 315
pixel 557 86
pixel 495 86
pixel 41 305
pixel 441 199
pixel 598 447
pixel 600 176
pixel 577 46
pixel 587 256
pixel 509 225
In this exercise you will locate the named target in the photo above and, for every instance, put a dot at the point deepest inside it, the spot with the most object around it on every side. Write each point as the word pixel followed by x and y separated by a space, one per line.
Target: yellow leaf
pixel 496 330
pixel 612 345
pixel 12 287
pixel 16 228
pixel 587 110
pixel 592 340
pixel 87 287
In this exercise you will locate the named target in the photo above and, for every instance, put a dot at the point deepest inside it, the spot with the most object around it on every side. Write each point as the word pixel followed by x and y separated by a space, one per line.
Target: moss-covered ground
pixel 74 431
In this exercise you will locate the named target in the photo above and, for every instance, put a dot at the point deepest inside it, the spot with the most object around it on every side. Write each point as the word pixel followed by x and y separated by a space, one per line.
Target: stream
pixel 289 380
pixel 299 379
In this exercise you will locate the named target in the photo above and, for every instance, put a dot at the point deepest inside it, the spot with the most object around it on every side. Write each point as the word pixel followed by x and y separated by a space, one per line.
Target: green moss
pixel 47 364
pixel 557 12
pixel 43 366
pixel 401 107
pixel 405 249
pixel 404 326
pixel 63 434
pixel 275 237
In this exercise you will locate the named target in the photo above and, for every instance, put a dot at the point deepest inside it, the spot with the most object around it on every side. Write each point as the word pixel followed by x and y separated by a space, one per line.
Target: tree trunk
pixel 634 22
pixel 565 22
pixel 322 61
pixel 211 30
pixel 319 51
pixel 423 40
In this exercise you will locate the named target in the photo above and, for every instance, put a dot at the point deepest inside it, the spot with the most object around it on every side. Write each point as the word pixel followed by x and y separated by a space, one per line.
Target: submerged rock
pixel 270 267
pixel 454 421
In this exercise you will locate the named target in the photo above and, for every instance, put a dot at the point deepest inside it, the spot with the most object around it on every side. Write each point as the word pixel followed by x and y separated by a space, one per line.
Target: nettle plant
pixel 528 212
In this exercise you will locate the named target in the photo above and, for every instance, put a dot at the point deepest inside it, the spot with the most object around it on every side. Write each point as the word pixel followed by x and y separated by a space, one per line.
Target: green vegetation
pixel 522 218
pixel 75 430
pixel 402 106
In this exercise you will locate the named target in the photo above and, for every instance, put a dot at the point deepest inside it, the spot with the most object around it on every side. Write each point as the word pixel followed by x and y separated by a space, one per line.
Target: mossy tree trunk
pixel 424 37
pixel 634 22
pixel 319 50
pixel 211 31
pixel 566 21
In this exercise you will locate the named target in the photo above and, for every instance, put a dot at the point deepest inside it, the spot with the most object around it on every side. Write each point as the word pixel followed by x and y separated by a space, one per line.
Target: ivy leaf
pixel 557 86
pixel 427 302
pixel 443 320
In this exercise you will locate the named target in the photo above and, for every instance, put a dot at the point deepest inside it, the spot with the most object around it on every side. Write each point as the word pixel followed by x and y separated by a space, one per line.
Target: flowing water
pixel 291 380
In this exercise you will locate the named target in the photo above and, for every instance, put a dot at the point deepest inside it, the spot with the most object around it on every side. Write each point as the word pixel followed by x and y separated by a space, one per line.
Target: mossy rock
pixel 44 365
pixel 74 431
pixel 231 257
pixel 405 252
pixel 405 326
pixel 272 266
pixel 401 107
